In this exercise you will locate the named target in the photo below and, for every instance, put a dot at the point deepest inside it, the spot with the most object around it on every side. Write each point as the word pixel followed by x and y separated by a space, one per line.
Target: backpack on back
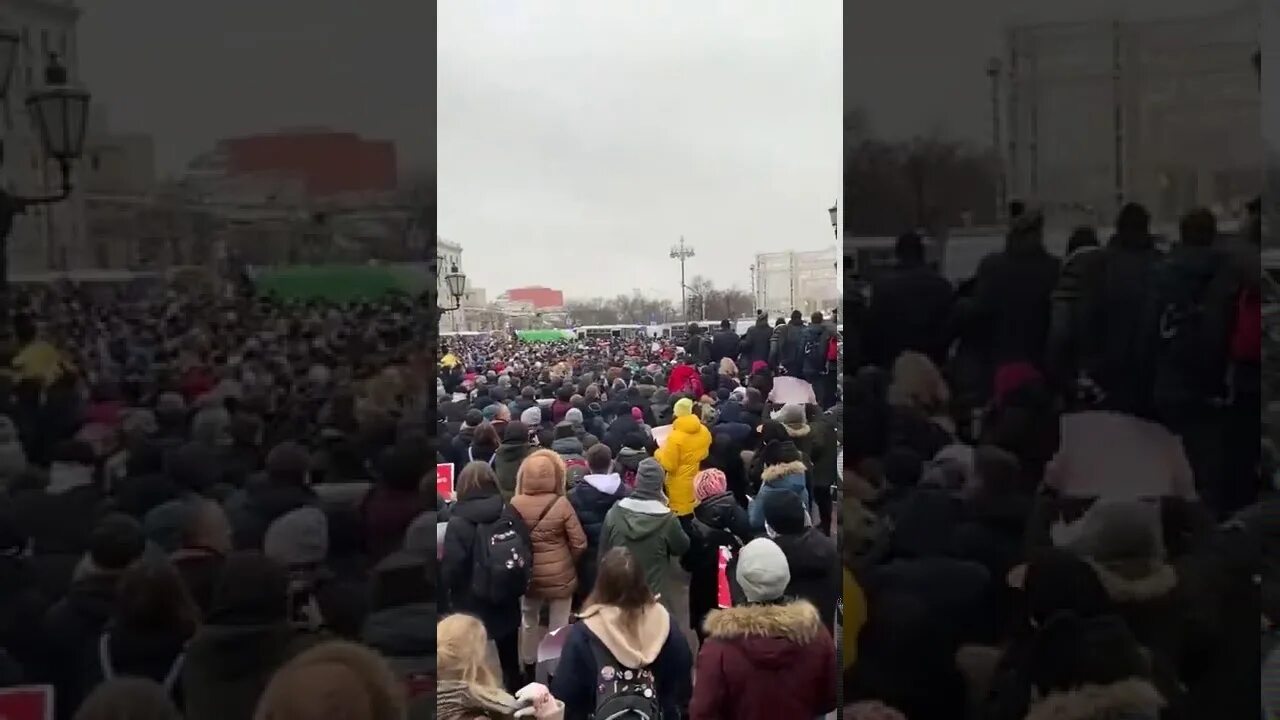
pixel 575 470
pixel 623 693
pixel 1179 352
pixel 815 352
pixel 501 562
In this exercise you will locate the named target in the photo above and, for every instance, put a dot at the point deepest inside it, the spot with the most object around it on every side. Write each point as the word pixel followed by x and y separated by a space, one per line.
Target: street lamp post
pixel 682 252
pixel 59 114
pixel 835 222
pixel 994 67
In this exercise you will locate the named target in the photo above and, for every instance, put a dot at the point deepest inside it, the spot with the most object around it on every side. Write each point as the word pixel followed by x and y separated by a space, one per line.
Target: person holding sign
pixel 719 523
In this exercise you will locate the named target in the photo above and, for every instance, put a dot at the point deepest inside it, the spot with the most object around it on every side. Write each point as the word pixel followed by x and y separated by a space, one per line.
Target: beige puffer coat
pixel 558 540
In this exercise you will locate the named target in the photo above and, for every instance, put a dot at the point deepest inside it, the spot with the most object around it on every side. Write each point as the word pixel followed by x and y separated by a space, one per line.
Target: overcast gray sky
pixel 917 66
pixel 579 140
pixel 193 72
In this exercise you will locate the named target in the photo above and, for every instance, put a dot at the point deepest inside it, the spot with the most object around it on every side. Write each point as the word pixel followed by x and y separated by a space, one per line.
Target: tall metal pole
pixel 994 67
pixel 1118 113
pixel 682 252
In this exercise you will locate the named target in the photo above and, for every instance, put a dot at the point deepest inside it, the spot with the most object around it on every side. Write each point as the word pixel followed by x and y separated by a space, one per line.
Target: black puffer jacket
pixel 1013 293
pixel 499 619
pixel 910 309
pixel 815 567
pixel 717 521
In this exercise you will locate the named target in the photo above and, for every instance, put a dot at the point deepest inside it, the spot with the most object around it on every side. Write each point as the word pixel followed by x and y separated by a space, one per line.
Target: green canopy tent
pixel 340 283
pixel 543 335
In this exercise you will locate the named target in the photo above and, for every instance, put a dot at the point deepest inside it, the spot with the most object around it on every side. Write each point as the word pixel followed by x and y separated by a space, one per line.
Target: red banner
pixel 26 702
pixel 444 480
pixel 725 599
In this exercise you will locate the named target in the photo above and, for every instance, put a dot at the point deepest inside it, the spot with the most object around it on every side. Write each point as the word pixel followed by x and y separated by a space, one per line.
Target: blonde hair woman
pixel 468 689
pixel 918 384
pixel 336 678
pixel 919 402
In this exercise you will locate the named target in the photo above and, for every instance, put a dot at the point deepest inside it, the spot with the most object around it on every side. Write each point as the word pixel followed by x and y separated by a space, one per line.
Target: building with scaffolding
pixel 1110 110
pixel 804 280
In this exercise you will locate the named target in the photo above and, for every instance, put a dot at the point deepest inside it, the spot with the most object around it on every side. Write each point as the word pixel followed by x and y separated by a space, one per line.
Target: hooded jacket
pixel 686 447
pixel 650 531
pixel 785 477
pixel 506 462
pixel 814 562
pixel 556 535
pixel 658 645
pixel 753 651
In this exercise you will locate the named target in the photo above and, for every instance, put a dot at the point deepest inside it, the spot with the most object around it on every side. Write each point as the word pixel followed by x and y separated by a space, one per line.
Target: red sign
pixel 26 702
pixel 444 480
pixel 723 597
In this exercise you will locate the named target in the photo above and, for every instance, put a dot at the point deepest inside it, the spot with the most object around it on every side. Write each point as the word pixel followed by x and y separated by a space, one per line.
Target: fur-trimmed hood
pixel 774 472
pixel 1131 699
pixel 797 622
pixel 1158 581
pixel 797 431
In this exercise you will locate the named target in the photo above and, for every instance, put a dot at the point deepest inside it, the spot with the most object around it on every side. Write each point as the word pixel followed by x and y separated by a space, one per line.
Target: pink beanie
pixel 637 415
pixel 709 483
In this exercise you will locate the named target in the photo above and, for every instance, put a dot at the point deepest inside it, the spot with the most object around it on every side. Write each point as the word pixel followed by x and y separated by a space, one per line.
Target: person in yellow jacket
pixel 855 616
pixel 685 448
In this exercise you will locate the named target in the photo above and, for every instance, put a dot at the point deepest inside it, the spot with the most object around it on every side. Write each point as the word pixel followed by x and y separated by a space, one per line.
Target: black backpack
pixel 502 561
pixel 623 693
pixel 1179 347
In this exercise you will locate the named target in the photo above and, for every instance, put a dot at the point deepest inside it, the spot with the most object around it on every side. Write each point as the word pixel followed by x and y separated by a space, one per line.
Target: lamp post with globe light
pixel 59 115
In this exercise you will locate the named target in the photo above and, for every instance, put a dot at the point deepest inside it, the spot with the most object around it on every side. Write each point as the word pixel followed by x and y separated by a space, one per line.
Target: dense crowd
pixel 217 507
pixel 1055 504
pixel 631 513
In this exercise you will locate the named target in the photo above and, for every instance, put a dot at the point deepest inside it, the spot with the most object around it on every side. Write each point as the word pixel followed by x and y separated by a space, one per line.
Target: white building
pixel 807 281
pixel 49 237
pixel 1159 111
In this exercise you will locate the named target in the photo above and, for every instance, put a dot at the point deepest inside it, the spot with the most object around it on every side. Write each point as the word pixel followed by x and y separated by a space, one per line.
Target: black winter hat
pixel 784 513
pixel 116 541
pixel 781 452
pixel 1070 652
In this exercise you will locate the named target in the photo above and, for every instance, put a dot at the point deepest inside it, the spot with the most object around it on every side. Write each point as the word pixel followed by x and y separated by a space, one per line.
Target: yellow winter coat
pixel 855 615
pixel 686 447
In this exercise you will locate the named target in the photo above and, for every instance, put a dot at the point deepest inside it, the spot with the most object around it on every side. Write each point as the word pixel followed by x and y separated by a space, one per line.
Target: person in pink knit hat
pixel 718 522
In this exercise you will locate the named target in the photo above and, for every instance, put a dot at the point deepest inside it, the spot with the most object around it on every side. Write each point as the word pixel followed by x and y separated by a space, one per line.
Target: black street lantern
pixel 834 219
pixel 456 283
pixel 59 114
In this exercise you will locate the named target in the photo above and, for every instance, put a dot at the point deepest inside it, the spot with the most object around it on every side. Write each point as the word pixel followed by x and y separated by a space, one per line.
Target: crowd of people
pixel 639 525
pixel 1055 505
pixel 216 507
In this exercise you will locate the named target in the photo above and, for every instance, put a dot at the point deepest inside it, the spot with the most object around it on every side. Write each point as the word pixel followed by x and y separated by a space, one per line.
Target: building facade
pixel 329 163
pixel 537 297
pixel 808 281
pixel 50 237
pixel 1162 112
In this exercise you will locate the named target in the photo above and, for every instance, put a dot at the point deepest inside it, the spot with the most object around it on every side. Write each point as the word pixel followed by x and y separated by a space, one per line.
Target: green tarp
pixel 543 335
pixel 340 283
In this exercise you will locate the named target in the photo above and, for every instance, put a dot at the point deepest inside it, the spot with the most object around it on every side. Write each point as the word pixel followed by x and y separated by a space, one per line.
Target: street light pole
pixel 682 252
pixel 834 211
pixel 60 116
pixel 994 67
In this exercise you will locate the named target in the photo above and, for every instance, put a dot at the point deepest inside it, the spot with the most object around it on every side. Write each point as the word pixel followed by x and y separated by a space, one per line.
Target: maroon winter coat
pixel 763 662
pixel 386 514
